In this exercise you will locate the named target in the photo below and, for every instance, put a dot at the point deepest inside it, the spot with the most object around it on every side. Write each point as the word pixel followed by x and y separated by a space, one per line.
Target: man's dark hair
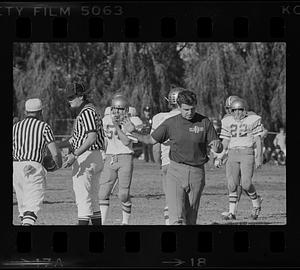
pixel 187 97
pixel 172 106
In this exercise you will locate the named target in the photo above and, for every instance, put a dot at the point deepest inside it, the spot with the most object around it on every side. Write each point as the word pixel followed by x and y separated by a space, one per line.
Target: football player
pixel 220 159
pixel 161 151
pixel 241 133
pixel 118 157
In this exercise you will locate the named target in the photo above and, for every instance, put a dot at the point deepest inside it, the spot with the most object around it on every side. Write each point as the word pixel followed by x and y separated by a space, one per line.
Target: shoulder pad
pixel 157 116
pixel 253 117
pixel 106 120
pixel 136 120
pixel 227 117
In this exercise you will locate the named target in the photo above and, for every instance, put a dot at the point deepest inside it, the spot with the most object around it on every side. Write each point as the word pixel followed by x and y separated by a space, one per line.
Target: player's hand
pixel 128 125
pixel 258 162
pixel 218 163
pixel 219 155
pixel 69 161
pixel 216 146
pixel 103 155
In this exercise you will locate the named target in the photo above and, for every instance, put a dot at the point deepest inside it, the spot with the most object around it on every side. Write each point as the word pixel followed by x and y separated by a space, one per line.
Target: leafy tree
pixel 145 72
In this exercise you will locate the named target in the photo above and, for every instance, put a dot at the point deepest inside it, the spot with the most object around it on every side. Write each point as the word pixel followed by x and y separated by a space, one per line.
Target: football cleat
pixel 256 210
pixel 228 216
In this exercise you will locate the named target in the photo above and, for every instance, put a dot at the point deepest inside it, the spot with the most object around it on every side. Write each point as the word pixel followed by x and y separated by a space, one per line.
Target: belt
pixel 20 160
pixel 120 154
pixel 114 158
pixel 187 165
pixel 240 148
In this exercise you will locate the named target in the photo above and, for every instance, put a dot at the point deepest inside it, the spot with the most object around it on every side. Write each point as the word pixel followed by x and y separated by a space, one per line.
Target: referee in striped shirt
pixel 31 136
pixel 85 158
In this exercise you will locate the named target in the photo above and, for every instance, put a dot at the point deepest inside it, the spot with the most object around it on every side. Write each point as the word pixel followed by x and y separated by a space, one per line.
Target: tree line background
pixel 145 72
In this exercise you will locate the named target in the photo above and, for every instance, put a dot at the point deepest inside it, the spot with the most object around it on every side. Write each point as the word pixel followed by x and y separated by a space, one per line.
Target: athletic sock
pixel 166 215
pixel 126 211
pixel 253 196
pixel 104 204
pixel 29 218
pixel 255 199
pixel 96 218
pixel 232 202
pixel 83 220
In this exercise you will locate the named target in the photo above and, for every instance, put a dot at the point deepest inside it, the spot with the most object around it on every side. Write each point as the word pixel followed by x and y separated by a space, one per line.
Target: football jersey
pixel 241 133
pixel 114 144
pixel 248 113
pixel 164 147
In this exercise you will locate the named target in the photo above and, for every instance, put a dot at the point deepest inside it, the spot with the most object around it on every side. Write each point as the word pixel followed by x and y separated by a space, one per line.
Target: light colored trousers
pixel 86 172
pixel 240 169
pixel 117 167
pixel 29 189
pixel 184 188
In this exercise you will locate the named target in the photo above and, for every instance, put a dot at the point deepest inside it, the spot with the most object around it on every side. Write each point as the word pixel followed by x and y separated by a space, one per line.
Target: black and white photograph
pixel 157 133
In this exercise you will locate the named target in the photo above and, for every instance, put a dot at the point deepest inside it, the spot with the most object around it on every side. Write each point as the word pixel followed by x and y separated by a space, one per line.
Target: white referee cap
pixel 33 105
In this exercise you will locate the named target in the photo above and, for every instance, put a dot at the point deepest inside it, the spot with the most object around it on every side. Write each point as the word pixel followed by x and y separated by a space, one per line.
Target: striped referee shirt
pixel 88 120
pixel 30 138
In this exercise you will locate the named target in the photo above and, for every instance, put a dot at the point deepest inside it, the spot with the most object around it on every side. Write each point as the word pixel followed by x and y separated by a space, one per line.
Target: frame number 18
pixel 198 262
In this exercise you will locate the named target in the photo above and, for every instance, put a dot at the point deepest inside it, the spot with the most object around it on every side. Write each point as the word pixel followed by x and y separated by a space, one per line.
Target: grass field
pixel 148 199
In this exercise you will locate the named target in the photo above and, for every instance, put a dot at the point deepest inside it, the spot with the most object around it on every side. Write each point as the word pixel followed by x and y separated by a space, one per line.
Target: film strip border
pixel 132 247
pixel 149 21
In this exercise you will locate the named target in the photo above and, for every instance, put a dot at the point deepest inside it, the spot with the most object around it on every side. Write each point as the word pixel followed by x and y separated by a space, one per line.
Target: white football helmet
pixel 119 107
pixel 119 102
pixel 173 94
pixel 238 108
pixel 228 103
